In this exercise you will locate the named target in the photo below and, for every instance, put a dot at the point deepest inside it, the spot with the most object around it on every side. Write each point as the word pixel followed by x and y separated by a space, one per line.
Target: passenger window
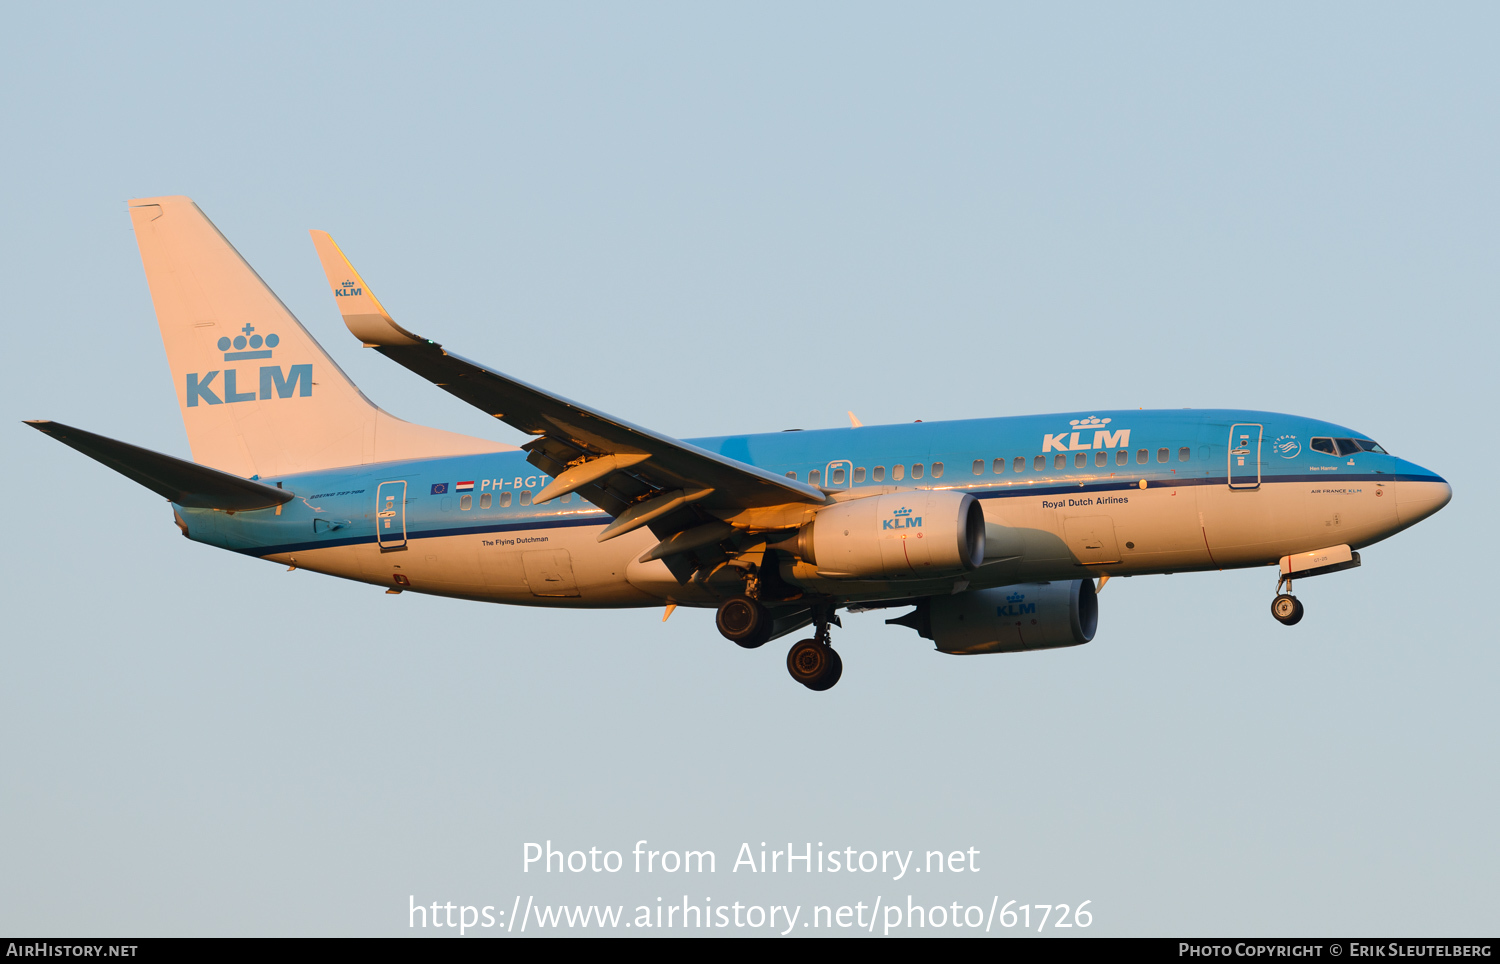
pixel 526 498
pixel 916 471
pixel 1079 460
pixel 814 477
pixel 898 472
pixel 838 476
pixel 859 474
pixel 568 497
pixel 1121 457
pixel 1184 453
pixel 484 500
pixel 465 502
pixel 998 466
pixel 1161 455
pixel 937 470
pixel 1324 445
pixel 505 500
pixel 792 476
pixel 1100 458
pixel 1059 461
pixel 979 466
pixel 1020 463
pixel 879 473
pixel 1140 456
pixel 1040 463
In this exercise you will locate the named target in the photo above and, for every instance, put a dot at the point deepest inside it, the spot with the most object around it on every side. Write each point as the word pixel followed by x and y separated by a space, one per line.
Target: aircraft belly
pixel 1250 527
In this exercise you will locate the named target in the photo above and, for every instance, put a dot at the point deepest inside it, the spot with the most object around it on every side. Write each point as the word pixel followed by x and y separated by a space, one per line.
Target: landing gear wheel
pixel 744 621
pixel 1287 609
pixel 815 665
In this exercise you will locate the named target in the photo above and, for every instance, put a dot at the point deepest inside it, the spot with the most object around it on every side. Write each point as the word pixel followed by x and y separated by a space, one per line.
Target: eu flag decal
pixel 440 488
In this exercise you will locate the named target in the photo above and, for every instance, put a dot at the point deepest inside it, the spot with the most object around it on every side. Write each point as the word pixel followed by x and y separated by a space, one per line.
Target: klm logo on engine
pixel 347 290
pixel 273 382
pixel 903 520
pixel 1076 440
pixel 1016 606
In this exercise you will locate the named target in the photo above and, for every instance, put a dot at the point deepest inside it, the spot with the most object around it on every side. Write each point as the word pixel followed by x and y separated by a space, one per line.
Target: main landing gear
pixel 744 622
pixel 812 662
pixel 1285 607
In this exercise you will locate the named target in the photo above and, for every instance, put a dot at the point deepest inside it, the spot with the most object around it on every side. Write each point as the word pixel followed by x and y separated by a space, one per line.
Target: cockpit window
pixel 1345 446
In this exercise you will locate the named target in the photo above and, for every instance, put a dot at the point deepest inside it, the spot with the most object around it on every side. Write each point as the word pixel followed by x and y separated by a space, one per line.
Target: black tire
pixel 744 622
pixel 1287 609
pixel 814 665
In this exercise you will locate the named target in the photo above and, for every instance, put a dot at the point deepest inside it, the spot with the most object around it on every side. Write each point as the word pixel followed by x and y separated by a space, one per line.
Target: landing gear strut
pixel 813 662
pixel 1285 607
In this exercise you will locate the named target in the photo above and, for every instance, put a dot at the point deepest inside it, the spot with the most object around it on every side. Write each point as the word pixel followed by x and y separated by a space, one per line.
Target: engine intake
pixel 904 534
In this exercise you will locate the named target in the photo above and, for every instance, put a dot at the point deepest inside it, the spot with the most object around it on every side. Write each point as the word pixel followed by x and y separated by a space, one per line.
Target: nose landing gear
pixel 1285 607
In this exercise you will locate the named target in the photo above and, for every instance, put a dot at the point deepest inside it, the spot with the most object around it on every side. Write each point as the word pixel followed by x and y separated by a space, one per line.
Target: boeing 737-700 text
pixel 993 529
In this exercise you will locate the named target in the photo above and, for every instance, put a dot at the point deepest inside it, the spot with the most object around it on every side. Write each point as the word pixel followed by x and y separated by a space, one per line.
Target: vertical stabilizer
pixel 258 395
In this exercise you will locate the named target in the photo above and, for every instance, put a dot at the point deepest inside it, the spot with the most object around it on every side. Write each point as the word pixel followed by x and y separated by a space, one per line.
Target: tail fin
pixel 258 395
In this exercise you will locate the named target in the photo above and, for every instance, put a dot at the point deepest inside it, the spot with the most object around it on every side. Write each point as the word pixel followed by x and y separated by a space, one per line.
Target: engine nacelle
pixel 917 533
pixel 1012 619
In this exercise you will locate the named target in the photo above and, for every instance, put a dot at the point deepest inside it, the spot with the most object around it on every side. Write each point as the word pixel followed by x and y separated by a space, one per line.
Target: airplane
pixel 997 532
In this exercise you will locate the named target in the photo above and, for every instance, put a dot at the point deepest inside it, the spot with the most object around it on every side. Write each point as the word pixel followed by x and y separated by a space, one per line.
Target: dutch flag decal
pixel 464 487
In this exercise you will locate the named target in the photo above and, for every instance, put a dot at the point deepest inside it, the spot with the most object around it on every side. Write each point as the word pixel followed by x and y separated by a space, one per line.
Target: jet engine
pixel 1012 619
pixel 904 534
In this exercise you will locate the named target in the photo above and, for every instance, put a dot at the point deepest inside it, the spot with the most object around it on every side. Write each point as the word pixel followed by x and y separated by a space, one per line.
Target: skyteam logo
pixel 902 519
pixel 1286 446
pixel 247 346
pixel 347 290
pixel 1077 440
pixel 1015 605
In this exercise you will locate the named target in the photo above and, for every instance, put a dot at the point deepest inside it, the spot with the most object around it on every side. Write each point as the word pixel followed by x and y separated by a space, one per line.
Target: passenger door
pixel 1244 455
pixel 390 516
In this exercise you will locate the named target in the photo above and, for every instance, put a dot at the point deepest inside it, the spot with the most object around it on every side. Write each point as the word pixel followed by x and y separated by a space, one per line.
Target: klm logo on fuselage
pixel 1015 606
pixel 1077 439
pixel 347 290
pixel 273 382
pixel 903 520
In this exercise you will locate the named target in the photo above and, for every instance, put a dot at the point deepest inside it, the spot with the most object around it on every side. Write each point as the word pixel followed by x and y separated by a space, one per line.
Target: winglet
pixel 366 318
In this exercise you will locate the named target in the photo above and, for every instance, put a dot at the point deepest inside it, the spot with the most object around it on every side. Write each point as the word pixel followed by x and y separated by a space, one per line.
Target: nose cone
pixel 1418 499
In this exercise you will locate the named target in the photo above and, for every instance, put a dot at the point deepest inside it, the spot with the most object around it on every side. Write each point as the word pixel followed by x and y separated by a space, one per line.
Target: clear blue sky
pixel 713 221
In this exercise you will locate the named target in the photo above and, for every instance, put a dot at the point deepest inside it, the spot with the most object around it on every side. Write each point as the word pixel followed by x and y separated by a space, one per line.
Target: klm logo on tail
pixel 347 290
pixel 245 347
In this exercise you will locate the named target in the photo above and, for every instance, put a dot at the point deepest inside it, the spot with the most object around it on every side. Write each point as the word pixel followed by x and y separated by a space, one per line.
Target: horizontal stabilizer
pixel 185 483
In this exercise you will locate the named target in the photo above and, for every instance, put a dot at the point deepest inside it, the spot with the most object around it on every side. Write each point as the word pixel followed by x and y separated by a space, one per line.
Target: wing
pixel 638 476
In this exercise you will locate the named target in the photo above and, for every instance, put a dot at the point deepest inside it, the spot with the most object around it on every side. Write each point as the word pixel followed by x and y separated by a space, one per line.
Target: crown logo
pixel 248 340
pixel 902 513
pixel 348 284
pixel 1092 421
pixel 1015 597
